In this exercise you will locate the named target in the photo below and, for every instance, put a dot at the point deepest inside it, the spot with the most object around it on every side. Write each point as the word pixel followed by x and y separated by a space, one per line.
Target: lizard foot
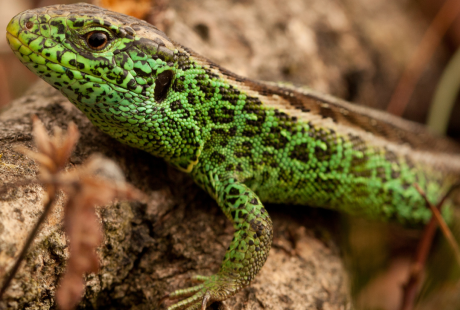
pixel 213 288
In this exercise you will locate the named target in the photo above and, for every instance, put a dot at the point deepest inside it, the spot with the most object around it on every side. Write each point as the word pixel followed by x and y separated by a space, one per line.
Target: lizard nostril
pixel 29 25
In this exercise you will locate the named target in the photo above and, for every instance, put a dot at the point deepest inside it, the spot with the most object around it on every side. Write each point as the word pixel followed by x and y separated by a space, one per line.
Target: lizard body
pixel 244 142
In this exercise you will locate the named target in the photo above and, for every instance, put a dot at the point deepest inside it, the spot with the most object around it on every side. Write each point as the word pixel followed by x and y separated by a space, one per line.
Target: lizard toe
pixel 214 288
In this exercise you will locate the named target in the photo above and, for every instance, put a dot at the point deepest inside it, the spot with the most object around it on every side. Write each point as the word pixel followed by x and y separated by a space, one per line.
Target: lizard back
pixel 327 152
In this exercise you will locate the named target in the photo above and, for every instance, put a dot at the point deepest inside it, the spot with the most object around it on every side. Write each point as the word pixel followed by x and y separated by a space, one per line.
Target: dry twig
pixel 52 156
pixel 98 182
pixel 430 42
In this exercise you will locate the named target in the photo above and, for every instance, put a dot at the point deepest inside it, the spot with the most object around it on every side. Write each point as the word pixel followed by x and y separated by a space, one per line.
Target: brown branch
pixel 442 224
pixel 423 249
pixel 430 42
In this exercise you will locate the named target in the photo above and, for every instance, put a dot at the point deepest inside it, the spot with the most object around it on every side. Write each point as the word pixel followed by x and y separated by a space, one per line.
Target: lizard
pixel 244 142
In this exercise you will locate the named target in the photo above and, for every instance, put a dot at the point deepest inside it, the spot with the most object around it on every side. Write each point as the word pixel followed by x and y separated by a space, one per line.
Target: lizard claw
pixel 199 299
pixel 206 298
pixel 214 288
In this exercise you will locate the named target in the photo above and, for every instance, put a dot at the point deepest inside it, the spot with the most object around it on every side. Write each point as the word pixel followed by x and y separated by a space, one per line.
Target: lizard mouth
pixel 45 56
pixel 13 30
pixel 30 46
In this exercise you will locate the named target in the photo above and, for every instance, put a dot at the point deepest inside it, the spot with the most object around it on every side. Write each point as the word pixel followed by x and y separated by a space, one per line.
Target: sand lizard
pixel 244 142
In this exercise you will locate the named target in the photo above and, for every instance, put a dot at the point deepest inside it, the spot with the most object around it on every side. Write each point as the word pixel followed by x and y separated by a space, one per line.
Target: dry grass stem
pixel 430 42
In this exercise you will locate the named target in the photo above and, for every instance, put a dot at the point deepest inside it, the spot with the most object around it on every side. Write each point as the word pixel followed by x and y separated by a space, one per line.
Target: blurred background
pixel 396 55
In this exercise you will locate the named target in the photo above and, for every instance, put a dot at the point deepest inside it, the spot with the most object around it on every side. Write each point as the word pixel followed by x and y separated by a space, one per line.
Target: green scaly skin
pixel 242 141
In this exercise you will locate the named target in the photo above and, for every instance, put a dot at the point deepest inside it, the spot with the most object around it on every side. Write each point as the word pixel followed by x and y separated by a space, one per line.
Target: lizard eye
pixel 97 40
pixel 162 85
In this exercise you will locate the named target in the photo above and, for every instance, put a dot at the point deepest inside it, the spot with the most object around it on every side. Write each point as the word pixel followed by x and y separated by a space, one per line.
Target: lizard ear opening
pixel 162 84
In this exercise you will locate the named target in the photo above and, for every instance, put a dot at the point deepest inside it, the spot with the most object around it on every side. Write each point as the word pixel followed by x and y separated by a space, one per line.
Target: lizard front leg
pixel 246 254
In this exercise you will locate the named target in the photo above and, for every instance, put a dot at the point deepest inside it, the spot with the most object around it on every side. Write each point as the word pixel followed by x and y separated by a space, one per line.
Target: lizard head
pixel 120 71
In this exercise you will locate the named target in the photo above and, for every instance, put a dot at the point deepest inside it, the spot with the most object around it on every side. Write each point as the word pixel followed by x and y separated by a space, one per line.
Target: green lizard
pixel 242 141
